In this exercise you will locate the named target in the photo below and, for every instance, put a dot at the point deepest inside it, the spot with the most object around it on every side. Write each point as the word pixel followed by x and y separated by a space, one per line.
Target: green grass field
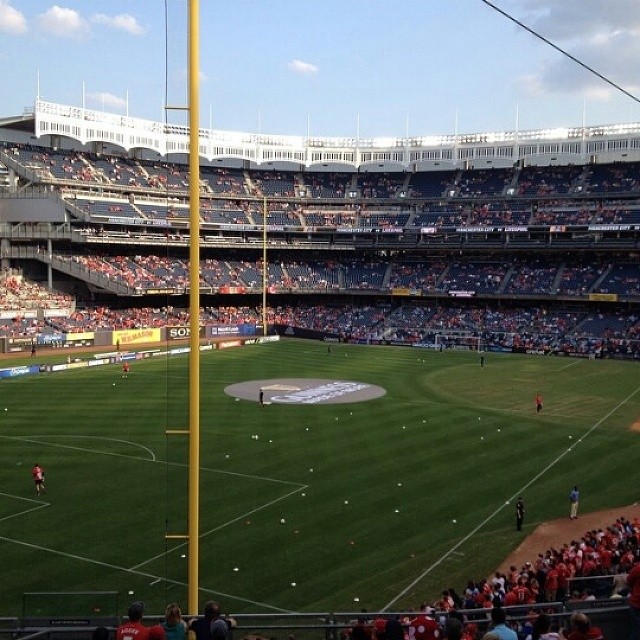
pixel 369 491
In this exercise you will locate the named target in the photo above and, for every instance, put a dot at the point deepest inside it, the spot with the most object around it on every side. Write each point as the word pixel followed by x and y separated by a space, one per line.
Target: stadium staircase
pixel 556 281
pixel 601 278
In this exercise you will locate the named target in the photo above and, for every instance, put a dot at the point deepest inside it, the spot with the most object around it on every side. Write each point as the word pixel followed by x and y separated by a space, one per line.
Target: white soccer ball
pixel 454 521
pixel 282 520
pixel 293 584
pixel 236 569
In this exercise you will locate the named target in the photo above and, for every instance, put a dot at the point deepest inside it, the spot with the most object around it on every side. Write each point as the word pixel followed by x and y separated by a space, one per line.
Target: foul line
pixel 108 565
pixel 222 526
pixel 135 569
pixel 490 517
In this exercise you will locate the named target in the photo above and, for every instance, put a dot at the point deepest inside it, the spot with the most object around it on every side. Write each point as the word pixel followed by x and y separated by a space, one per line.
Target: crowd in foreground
pixel 507 600
pixel 612 554
pixel 211 626
pixel 423 626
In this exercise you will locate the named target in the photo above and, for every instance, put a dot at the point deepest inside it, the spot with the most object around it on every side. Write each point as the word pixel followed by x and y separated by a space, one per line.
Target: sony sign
pixel 178 333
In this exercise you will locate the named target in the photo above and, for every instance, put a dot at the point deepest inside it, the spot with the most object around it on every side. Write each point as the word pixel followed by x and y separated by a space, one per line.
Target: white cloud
pixel 106 100
pixel 303 68
pixel 11 20
pixel 602 34
pixel 123 21
pixel 576 19
pixel 63 23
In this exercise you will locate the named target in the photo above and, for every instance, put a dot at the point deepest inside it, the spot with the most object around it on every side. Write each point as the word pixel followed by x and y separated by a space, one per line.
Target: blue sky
pixel 288 66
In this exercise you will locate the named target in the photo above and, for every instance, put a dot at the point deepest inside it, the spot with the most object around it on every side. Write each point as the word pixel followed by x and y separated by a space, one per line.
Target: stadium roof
pixel 25 122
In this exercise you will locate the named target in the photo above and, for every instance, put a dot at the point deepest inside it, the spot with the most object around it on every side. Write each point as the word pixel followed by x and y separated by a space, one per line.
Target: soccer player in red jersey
pixel 38 477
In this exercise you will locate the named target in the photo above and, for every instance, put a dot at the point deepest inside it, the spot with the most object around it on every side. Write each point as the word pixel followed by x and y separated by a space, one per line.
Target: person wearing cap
pixel 423 626
pixel 133 629
pixel 574 500
pixel 212 626
pixel 519 513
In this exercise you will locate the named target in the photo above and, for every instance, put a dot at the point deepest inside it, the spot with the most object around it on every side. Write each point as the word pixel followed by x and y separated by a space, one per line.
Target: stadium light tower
pixel 194 306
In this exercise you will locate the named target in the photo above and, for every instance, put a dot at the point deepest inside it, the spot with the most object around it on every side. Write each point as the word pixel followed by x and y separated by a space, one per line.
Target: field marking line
pixel 85 450
pixel 298 488
pixel 222 526
pixel 80 436
pixel 571 364
pixel 40 505
pixel 12 495
pixel 490 517
pixel 154 460
pixel 143 574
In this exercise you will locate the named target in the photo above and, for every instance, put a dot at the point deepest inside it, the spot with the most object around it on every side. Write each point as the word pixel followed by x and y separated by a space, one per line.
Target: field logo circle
pixel 305 391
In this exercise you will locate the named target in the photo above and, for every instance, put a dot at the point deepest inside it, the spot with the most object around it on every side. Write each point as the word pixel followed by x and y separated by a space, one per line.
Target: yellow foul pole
pixel 194 307
pixel 265 271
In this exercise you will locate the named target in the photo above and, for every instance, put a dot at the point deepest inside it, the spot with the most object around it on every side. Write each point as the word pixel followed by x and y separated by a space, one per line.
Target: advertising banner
pixel 135 336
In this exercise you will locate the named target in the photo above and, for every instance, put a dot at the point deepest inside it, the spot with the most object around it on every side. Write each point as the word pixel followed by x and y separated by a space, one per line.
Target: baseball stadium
pixel 346 381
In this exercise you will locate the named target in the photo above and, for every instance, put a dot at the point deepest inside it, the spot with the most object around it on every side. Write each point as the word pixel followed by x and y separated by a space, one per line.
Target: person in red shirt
pixel 606 557
pixel 511 599
pixel 633 581
pixel 539 402
pixel 581 629
pixel 588 566
pixel 523 595
pixel 424 627
pixel 133 629
pixel 125 369
pixel 551 583
pixel 37 473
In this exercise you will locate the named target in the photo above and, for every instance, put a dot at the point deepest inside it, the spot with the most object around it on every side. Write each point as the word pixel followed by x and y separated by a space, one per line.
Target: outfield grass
pixel 449 441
